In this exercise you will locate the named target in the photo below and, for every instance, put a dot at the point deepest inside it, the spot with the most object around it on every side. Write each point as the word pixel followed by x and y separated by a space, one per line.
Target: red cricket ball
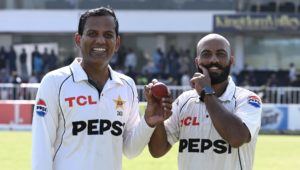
pixel 159 90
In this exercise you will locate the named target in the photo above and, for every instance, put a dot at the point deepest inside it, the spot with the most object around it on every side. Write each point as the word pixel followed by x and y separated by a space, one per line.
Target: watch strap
pixel 207 90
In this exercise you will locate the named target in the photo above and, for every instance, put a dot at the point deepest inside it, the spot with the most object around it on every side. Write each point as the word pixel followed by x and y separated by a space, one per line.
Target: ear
pixel 232 61
pixel 77 39
pixel 118 43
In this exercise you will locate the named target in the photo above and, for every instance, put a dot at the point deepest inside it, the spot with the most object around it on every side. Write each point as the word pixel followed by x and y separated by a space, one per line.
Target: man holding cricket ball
pixel 216 123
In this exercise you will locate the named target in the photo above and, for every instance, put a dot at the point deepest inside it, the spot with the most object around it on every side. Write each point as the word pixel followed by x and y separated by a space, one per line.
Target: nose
pixel 100 39
pixel 214 59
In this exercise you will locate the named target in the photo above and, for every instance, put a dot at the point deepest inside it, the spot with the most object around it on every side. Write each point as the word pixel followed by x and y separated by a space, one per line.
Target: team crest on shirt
pixel 119 103
pixel 254 101
pixel 41 107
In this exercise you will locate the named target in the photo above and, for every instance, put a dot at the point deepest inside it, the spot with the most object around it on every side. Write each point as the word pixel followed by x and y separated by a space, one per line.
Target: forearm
pixel 136 140
pixel 159 145
pixel 228 125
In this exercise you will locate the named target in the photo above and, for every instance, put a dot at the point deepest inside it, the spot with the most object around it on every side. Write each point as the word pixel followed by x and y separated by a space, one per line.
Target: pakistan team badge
pixel 119 103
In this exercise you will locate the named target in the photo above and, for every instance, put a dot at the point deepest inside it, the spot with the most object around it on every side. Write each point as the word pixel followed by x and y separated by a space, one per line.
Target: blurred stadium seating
pixel 157 29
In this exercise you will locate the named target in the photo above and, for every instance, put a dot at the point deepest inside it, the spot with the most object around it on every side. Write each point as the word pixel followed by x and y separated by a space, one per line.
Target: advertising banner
pixel 267 22
pixel 274 117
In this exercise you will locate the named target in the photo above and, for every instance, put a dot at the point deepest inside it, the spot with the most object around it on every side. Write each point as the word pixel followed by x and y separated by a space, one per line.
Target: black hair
pixel 102 11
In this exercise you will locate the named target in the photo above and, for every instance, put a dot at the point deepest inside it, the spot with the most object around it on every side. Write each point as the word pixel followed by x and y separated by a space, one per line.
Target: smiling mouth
pixel 214 68
pixel 98 51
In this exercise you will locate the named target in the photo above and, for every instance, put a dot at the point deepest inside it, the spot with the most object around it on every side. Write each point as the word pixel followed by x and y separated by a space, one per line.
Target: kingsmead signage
pixel 257 22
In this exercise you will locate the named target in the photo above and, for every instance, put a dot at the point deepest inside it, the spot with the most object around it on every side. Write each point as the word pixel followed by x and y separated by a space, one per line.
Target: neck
pixel 220 88
pixel 97 74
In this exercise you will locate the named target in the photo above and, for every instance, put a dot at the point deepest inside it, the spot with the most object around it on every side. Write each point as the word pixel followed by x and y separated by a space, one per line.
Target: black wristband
pixel 207 90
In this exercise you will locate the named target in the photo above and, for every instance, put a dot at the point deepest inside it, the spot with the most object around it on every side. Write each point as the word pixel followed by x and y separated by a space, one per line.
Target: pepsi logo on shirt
pixel 41 107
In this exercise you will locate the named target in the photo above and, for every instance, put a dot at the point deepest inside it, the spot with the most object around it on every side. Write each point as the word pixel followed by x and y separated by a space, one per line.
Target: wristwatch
pixel 206 91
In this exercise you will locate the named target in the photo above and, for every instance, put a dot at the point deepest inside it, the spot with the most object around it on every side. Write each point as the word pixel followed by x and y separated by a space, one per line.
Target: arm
pixel 157 112
pixel 167 133
pixel 159 145
pixel 138 132
pixel 44 126
pixel 228 125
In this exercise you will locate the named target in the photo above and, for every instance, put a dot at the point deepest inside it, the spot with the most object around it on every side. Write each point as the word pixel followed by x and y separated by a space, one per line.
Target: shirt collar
pixel 115 76
pixel 79 74
pixel 229 92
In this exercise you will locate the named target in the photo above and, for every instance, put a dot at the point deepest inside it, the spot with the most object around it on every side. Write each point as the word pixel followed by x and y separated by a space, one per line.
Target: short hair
pixel 102 11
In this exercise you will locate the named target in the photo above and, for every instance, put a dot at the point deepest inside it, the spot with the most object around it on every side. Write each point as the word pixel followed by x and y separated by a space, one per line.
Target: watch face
pixel 208 90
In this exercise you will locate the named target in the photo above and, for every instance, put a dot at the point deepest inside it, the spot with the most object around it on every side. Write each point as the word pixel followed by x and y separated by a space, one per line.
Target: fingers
pixel 166 103
pixel 167 107
pixel 154 81
pixel 149 86
pixel 147 89
pixel 167 114
pixel 195 78
pixel 200 80
pixel 205 71
pixel 197 74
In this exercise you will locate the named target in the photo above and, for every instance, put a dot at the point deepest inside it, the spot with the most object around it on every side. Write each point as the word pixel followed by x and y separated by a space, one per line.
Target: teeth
pixel 214 68
pixel 99 49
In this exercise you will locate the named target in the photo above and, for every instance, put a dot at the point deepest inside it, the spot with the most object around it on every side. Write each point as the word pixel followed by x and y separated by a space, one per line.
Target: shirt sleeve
pixel 172 124
pixel 249 109
pixel 44 125
pixel 137 132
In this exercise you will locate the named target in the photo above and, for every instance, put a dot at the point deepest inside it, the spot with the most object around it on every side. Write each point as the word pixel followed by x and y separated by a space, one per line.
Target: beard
pixel 217 78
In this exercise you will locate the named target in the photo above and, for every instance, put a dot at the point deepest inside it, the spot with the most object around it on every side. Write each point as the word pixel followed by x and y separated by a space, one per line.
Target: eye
pixel 91 33
pixel 109 35
pixel 205 54
pixel 222 55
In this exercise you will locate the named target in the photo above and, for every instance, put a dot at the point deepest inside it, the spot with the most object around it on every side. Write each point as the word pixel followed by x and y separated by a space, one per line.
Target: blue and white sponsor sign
pixel 274 117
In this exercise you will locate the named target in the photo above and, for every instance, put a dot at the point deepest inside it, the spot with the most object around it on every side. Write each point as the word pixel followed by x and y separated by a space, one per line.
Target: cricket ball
pixel 159 90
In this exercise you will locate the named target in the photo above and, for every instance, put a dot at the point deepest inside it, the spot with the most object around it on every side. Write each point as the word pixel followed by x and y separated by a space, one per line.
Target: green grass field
pixel 272 153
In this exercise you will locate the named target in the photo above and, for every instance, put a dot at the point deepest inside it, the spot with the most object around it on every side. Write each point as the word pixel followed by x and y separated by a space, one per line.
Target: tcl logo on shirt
pixel 189 121
pixel 80 101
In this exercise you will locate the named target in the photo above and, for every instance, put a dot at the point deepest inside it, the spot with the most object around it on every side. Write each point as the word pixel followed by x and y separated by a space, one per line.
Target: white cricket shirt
pixel 77 128
pixel 200 145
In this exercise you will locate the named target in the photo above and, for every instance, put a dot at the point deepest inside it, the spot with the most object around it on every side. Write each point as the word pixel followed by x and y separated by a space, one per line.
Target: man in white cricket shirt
pixel 216 123
pixel 86 114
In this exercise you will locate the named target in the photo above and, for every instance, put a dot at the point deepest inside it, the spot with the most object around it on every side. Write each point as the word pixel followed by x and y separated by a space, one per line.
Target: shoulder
pixel 57 76
pixel 190 95
pixel 245 95
pixel 124 78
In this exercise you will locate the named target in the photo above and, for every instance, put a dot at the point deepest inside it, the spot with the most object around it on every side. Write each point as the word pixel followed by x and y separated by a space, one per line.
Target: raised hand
pixel 200 80
pixel 157 110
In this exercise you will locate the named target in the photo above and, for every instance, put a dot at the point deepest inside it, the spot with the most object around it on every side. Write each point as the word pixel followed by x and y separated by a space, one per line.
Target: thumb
pixel 148 93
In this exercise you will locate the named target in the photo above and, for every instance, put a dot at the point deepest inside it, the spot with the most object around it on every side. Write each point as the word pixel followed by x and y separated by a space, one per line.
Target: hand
pixel 157 110
pixel 200 80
